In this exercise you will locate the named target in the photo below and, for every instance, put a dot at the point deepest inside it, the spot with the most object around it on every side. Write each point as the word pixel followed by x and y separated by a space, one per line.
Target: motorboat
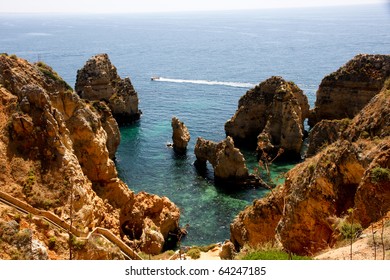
pixel 154 78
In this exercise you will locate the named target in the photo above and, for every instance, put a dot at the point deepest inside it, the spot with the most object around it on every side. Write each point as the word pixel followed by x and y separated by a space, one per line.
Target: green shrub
pixel 24 236
pixel 49 73
pixel 17 218
pixel 52 242
pixel 207 248
pixel 194 253
pixel 77 243
pixel 349 230
pixel 29 182
pixel 272 255
pixel 364 134
pixel 379 174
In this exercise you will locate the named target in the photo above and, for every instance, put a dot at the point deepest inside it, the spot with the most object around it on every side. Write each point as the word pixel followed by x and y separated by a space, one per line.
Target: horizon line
pixel 185 11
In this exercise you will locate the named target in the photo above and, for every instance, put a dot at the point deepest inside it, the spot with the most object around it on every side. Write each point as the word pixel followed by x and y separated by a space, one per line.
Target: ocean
pixel 207 61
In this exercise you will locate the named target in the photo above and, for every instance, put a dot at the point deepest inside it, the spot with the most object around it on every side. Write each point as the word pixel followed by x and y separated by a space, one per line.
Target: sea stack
pixel 227 161
pixel 99 80
pixel 180 136
pixel 270 115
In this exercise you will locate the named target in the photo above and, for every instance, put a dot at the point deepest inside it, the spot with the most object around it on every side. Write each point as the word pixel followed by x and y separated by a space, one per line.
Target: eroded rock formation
pixel 353 172
pixel 342 94
pixel 180 136
pixel 55 146
pixel 227 161
pixel 271 115
pixel 161 221
pixel 98 80
pixel 325 133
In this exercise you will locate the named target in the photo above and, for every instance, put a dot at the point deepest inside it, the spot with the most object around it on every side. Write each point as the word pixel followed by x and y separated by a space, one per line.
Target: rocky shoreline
pixel 58 145
pixel 347 175
pixel 56 154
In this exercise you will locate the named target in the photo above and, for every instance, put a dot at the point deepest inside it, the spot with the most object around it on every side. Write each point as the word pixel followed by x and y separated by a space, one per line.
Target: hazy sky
pixel 137 6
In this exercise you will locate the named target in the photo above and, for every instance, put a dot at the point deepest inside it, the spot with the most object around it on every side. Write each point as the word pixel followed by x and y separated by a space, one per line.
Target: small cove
pixel 226 51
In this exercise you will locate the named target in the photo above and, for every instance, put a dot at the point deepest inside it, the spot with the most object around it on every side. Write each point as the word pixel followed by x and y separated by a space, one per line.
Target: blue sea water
pixel 208 60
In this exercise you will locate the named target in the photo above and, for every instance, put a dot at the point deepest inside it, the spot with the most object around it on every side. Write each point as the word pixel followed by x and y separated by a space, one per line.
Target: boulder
pixel 180 136
pixel 228 251
pixel 276 109
pixel 152 241
pixel 342 94
pixel 99 80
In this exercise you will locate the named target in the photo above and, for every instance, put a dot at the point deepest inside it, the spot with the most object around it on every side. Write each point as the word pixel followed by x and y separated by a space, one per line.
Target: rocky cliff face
pixel 55 146
pixel 342 94
pixel 227 161
pixel 180 136
pixel 271 115
pixel 325 133
pixel 99 80
pixel 353 172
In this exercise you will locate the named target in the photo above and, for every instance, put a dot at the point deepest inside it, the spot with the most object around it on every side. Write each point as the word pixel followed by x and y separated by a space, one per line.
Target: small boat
pixel 154 78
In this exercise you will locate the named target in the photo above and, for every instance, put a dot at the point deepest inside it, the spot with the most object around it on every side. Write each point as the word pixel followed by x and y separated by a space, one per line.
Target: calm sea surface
pixel 208 61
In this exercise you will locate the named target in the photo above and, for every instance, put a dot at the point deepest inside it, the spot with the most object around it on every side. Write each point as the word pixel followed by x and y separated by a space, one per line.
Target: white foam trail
pixel 38 34
pixel 205 82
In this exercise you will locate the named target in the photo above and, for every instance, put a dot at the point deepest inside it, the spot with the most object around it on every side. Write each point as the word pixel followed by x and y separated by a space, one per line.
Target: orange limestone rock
pixel 56 155
pixel 351 173
pixel 271 115
pixel 342 94
pixel 181 136
pixel 99 80
pixel 227 161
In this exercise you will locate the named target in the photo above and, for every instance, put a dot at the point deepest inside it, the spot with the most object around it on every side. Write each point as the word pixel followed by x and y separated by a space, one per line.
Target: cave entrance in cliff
pixel 345 198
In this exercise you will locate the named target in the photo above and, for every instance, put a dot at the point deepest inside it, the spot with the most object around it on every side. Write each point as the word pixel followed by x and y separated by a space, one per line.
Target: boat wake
pixel 203 82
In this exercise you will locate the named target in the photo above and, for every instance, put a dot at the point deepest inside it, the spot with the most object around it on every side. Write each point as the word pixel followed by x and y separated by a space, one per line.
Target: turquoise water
pixel 209 60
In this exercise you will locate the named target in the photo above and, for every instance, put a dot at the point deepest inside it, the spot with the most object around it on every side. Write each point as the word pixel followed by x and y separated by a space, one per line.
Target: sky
pixel 145 6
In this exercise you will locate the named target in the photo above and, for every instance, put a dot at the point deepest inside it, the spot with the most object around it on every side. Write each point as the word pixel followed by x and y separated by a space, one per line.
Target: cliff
pixel 270 115
pixel 55 154
pixel 324 133
pixel 342 94
pixel 351 173
pixel 99 80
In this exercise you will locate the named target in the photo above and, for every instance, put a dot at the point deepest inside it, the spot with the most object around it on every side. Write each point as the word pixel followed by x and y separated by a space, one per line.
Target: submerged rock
pixel 99 80
pixel 342 94
pixel 181 136
pixel 274 110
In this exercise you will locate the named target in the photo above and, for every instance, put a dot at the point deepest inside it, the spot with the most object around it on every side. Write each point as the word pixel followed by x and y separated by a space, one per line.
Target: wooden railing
pixel 58 222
